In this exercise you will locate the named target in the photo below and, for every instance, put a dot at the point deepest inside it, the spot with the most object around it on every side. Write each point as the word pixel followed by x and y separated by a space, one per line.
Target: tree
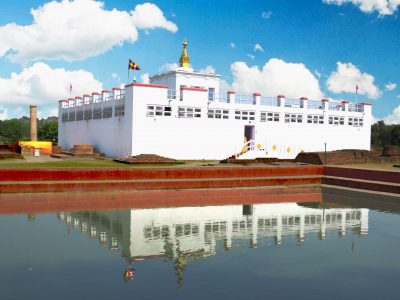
pixel 13 130
pixel 48 131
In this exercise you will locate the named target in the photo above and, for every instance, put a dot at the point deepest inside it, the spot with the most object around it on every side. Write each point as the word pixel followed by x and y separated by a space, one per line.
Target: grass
pixel 375 166
pixel 73 163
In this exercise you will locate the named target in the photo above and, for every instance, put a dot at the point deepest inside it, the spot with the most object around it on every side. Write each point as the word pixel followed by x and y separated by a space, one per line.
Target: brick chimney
pixel 33 110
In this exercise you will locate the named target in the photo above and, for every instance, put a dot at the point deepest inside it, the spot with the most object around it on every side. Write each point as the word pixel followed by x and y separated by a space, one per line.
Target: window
pixel 356 122
pixel 97 112
pixel 245 115
pixel 293 118
pixel 119 110
pixel 87 115
pixel 71 116
pixel 336 120
pixel 107 112
pixel 211 94
pixel 218 114
pixel 189 112
pixel 158 110
pixel 315 119
pixel 79 115
pixel 65 117
pixel 269 117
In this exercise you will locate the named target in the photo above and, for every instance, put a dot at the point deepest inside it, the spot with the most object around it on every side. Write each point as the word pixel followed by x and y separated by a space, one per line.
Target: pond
pixel 344 246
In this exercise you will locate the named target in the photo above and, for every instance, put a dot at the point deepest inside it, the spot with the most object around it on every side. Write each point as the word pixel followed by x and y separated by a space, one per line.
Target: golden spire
pixel 184 61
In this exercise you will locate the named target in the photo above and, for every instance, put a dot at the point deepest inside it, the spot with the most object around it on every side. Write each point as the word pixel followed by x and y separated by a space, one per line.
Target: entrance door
pixel 249 132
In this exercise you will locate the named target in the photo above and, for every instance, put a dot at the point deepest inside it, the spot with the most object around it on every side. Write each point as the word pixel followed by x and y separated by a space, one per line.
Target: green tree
pixel 13 130
pixel 48 131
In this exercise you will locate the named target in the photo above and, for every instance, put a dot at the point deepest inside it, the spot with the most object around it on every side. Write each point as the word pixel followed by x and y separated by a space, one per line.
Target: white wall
pixel 204 138
pixel 186 77
pixel 111 136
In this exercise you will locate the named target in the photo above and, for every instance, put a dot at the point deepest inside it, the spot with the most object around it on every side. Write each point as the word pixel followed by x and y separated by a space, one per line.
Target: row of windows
pixel 189 112
pixel 193 112
pixel 245 115
pixel 97 113
pixel 159 110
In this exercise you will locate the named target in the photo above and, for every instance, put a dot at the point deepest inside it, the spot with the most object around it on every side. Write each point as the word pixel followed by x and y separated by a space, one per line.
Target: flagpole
pixel 356 93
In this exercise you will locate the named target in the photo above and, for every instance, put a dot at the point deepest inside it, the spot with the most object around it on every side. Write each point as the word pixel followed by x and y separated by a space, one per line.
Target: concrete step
pixel 155 184
pixel 361 184
pixel 217 172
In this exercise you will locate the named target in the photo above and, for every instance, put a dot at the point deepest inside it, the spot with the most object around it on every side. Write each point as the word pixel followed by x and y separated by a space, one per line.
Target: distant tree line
pixel 385 135
pixel 14 130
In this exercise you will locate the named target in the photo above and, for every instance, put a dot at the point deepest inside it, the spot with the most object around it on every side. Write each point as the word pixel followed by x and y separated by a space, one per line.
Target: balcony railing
pixel 269 101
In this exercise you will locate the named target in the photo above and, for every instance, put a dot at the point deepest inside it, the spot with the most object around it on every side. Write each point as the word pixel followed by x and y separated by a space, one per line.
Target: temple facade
pixel 182 114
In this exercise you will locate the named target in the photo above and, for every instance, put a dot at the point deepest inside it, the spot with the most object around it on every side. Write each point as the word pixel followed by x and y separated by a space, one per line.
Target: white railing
pixel 315 104
pixel 269 101
pixel 356 107
pixel 218 97
pixel 293 103
pixel 247 146
pixel 335 106
pixel 244 99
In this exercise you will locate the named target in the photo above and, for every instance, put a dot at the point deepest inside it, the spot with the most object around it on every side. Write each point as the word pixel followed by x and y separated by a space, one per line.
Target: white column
pixel 231 97
pixel 302 226
pixel 228 242
pixel 325 104
pixel 117 93
pixel 105 95
pixel 256 98
pixel 345 105
pixel 304 102
pixel 364 221
pixel 281 100
pixel 278 240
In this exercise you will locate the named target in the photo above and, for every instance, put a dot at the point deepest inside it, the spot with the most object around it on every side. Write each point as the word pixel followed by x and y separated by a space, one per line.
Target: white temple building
pixel 182 114
pixel 145 233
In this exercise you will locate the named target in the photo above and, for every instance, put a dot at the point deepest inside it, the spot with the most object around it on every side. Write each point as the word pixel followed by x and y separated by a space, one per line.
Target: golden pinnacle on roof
pixel 184 61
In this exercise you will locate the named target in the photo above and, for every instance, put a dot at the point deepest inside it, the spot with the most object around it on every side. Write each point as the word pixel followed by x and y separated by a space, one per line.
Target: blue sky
pixel 314 48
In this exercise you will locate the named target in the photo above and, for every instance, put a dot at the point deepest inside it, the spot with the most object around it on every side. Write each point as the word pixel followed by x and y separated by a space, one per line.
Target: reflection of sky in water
pixel 237 252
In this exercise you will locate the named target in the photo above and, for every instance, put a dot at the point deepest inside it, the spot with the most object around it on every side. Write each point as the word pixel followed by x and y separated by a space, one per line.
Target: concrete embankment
pixel 362 179
pixel 156 178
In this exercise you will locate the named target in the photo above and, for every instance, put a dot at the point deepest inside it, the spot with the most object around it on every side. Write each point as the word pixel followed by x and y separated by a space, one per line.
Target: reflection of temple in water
pixel 185 234
pixel 194 231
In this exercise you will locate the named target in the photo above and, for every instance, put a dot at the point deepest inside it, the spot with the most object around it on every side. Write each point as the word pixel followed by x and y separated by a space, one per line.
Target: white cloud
pixel 224 86
pixel 145 78
pixel 266 14
pixel 3 114
pixel 398 96
pixel 390 86
pixel 276 77
pixel 250 56
pixel 168 67
pixel 258 47
pixel 42 85
pixel 383 7
pixel 149 16
pixel 347 76
pixel 394 117
pixel 318 74
pixel 208 69
pixel 77 29
pixel 232 45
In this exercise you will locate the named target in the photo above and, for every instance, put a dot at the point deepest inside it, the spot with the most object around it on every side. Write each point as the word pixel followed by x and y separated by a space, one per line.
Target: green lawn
pixel 71 163
pixel 375 166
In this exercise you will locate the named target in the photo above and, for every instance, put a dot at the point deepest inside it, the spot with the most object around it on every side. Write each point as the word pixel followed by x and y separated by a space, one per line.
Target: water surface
pixel 321 250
